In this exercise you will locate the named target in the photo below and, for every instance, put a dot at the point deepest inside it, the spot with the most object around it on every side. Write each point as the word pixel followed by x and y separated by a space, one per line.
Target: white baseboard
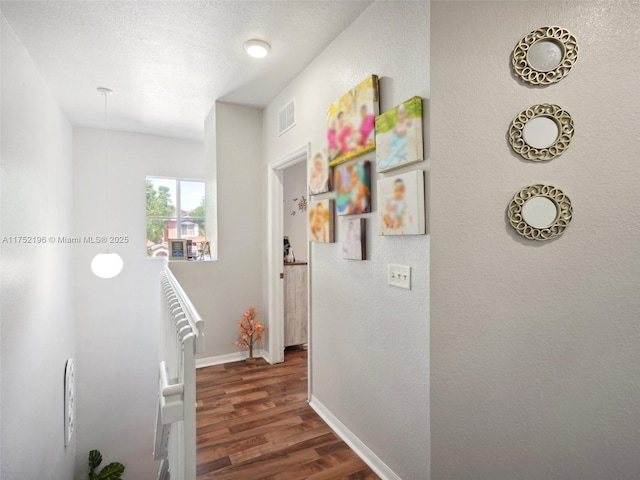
pixel 364 452
pixel 228 358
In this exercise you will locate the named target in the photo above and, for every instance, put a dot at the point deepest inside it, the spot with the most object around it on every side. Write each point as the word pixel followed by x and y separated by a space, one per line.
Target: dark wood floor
pixel 254 423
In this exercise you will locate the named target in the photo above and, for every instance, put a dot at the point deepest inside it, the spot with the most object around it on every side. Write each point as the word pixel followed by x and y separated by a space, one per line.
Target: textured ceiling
pixel 169 61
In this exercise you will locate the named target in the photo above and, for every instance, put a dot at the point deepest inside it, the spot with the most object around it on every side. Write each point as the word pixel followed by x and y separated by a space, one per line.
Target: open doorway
pixel 294 222
pixel 277 203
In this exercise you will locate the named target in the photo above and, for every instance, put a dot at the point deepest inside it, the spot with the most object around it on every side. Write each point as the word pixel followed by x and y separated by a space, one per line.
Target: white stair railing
pixel 182 336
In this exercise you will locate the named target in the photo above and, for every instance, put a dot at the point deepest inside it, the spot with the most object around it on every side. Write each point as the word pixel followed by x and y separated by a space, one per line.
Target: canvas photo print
pixel 321 221
pixel 401 204
pixel 353 243
pixel 353 188
pixel 399 136
pixel 351 122
pixel 319 174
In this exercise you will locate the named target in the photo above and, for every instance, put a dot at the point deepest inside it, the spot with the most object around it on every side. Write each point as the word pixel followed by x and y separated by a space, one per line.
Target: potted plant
pixel 113 471
pixel 251 331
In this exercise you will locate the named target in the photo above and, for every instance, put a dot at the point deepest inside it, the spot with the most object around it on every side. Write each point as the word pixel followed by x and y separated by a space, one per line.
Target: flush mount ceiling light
pixel 257 48
pixel 106 264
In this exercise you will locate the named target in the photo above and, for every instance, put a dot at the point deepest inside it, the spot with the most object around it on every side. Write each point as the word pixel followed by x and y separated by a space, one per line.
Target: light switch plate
pixel 399 276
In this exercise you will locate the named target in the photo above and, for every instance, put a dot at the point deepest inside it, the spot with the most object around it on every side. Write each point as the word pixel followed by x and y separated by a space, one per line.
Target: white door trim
pixel 275 221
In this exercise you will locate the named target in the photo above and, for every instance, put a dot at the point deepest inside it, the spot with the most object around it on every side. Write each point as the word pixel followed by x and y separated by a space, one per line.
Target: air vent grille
pixel 287 117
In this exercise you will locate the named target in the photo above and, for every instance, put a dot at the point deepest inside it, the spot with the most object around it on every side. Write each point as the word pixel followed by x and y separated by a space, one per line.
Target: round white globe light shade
pixel 107 265
pixel 257 48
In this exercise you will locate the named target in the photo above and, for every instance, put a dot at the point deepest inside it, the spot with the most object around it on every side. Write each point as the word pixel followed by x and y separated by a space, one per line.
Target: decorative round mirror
pixel 545 55
pixel 541 132
pixel 540 212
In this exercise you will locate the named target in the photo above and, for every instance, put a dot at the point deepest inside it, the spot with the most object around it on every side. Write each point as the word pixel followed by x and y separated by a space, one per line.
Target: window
pixel 188 229
pixel 175 209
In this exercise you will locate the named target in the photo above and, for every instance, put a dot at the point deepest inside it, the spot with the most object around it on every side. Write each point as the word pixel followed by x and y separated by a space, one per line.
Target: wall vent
pixel 287 117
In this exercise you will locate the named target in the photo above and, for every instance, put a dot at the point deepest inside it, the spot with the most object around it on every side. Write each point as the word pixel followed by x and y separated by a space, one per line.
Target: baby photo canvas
pixel 401 204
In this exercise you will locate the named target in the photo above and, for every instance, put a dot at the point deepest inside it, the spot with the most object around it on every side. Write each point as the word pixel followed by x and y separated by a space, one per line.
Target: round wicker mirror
pixel 545 55
pixel 540 212
pixel 541 132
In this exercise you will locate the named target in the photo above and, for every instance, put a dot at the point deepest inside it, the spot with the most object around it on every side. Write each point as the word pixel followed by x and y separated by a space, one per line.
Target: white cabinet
pixel 295 304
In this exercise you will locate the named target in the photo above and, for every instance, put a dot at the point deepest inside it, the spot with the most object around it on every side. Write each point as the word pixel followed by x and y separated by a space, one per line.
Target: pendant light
pixel 107 264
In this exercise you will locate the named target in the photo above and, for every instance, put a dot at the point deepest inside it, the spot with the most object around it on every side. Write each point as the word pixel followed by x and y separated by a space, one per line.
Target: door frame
pixel 275 264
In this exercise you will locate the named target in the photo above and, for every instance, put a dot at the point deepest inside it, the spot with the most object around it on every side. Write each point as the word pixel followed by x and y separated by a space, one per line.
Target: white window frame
pixel 178 210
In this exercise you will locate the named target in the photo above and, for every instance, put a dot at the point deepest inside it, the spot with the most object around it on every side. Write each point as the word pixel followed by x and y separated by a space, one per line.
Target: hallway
pixel 254 423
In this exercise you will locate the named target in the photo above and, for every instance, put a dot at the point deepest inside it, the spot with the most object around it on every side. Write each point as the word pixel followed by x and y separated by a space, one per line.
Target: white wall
pixel 117 319
pixel 370 341
pixel 223 290
pixel 37 304
pixel 535 358
pixel 294 186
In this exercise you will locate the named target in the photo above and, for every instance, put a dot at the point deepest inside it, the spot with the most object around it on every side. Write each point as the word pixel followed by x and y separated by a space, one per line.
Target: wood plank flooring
pixel 254 423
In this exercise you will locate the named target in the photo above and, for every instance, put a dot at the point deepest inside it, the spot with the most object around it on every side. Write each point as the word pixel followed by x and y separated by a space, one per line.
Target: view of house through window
pixel 175 209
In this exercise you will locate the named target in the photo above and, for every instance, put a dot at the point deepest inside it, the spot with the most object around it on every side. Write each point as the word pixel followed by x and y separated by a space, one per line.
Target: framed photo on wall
pixel 353 244
pixel 353 187
pixel 351 122
pixel 401 204
pixel 321 221
pixel 399 136
pixel 319 174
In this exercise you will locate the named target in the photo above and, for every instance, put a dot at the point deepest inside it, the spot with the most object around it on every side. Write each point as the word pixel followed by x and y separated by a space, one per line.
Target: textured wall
pixel 117 326
pixel 535 359
pixel 370 342
pixel 36 307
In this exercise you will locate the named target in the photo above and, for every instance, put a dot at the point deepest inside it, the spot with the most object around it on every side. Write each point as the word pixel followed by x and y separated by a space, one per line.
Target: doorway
pixel 294 205
pixel 275 267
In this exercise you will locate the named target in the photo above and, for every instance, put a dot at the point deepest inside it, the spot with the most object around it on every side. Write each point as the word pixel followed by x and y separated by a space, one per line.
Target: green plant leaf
pixel 113 471
pixel 95 459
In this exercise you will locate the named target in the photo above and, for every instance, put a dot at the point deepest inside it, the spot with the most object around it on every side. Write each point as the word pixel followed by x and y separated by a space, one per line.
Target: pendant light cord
pixel 106 92
pixel 106 166
pixel 108 264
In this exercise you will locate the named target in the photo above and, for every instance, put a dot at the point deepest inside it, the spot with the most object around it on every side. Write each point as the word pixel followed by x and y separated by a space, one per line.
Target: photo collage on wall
pixel 354 128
